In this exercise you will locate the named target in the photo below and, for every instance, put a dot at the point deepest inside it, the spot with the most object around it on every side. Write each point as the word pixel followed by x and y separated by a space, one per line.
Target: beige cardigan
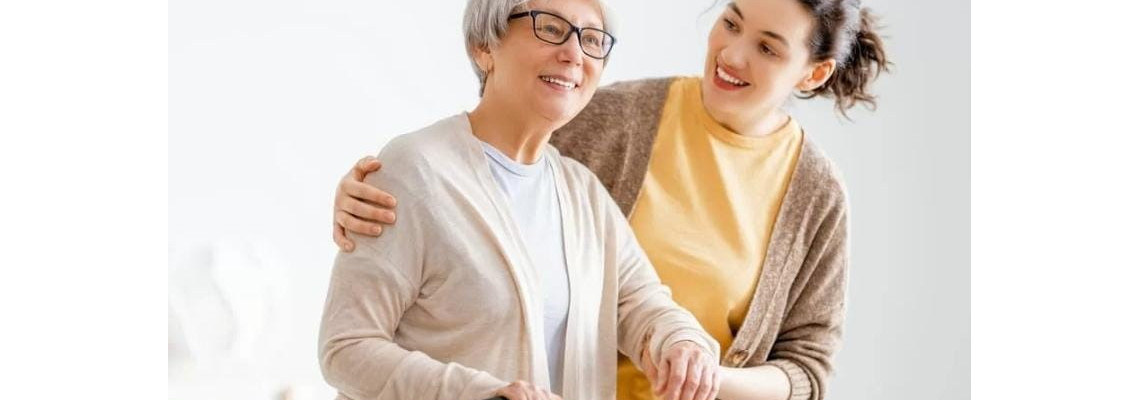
pixel 795 319
pixel 444 306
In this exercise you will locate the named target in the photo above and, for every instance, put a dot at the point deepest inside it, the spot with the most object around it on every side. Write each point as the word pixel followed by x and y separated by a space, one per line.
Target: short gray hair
pixel 485 23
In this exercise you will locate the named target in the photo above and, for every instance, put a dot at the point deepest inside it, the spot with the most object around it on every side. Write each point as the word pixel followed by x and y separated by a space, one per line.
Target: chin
pixel 558 113
pixel 710 97
pixel 719 109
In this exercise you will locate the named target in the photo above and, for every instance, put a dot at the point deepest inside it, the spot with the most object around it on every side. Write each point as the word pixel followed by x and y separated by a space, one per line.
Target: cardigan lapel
pixel 576 322
pixel 510 245
pixel 781 249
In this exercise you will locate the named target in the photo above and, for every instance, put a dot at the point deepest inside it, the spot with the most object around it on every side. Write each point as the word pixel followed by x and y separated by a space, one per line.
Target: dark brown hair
pixel 846 31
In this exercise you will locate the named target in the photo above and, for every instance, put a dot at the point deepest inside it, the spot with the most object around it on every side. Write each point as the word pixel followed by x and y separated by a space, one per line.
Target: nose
pixel 571 51
pixel 734 54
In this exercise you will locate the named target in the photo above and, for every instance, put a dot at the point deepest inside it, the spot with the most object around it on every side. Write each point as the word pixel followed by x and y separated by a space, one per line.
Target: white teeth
pixel 724 75
pixel 558 82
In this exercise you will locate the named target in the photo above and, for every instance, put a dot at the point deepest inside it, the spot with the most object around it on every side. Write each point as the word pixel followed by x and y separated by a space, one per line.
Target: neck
pixel 520 137
pixel 757 124
pixel 761 124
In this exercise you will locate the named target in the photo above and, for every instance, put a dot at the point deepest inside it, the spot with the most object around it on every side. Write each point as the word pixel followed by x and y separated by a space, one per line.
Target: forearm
pixel 764 382
pixel 376 369
pixel 359 355
pixel 649 320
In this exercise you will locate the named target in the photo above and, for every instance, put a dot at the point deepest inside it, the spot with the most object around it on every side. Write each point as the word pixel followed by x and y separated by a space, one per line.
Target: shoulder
pixel 617 110
pixel 435 139
pixel 627 95
pixel 411 161
pixel 819 177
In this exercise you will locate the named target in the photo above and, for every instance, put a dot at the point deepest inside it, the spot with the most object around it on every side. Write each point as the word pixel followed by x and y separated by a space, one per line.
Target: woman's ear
pixel 817 75
pixel 484 60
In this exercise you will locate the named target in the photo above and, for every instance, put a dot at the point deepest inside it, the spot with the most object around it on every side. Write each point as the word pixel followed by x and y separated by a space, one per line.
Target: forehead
pixel 788 18
pixel 584 13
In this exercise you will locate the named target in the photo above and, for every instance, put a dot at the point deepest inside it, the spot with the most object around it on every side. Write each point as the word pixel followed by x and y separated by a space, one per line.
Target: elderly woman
pixel 514 274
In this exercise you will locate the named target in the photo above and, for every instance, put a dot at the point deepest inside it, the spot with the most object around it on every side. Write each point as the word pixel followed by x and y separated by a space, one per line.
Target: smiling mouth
pixel 725 76
pixel 559 81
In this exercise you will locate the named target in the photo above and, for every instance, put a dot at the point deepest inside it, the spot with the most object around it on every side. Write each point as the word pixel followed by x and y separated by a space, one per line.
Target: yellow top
pixel 705 214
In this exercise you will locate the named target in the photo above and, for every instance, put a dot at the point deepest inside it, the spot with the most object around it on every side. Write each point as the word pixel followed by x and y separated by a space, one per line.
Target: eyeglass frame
pixel 533 14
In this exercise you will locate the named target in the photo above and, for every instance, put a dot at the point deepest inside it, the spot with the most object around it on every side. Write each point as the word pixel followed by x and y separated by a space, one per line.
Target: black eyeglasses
pixel 553 29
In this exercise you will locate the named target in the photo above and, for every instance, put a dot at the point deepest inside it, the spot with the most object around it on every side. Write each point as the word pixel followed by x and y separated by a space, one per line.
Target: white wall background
pixel 271 101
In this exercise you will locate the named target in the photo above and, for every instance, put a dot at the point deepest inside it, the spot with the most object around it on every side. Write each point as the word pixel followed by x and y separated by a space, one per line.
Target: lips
pixel 730 78
pixel 559 80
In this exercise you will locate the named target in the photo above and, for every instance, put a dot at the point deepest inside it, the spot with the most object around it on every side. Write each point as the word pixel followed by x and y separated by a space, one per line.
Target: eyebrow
pixel 773 35
pixel 589 24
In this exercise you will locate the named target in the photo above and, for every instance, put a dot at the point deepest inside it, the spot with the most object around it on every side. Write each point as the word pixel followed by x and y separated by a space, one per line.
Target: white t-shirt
pixel 534 205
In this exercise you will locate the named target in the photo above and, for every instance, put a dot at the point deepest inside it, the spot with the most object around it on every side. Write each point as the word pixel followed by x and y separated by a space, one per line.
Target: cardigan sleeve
pixel 369 292
pixel 811 331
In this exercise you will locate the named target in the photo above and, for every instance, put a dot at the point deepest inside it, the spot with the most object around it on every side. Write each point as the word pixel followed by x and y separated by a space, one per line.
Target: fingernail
pixel 391 217
pixel 348 246
pixel 376 230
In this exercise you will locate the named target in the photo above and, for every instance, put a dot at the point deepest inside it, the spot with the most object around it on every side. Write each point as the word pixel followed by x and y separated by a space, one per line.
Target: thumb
pixel 365 166
pixel 650 370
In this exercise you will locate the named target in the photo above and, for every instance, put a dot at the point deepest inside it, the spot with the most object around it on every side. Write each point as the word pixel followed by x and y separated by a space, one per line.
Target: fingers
pixel 511 392
pixel 341 239
pixel 694 373
pixel 676 368
pixel 350 222
pixel 650 369
pixel 687 372
pixel 678 375
pixel 364 166
pixel 703 378
pixel 367 211
pixel 366 192
pixel 707 385
pixel 715 379
pixel 661 370
pixel 523 390
pixel 662 377
pixel 704 375
pixel 354 206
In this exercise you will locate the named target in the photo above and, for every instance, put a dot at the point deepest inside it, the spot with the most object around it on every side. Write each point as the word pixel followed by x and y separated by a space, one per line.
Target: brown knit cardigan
pixel 796 315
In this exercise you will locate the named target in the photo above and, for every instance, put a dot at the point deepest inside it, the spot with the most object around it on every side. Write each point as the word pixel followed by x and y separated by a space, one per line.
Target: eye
pixel 764 48
pixel 730 26
pixel 552 29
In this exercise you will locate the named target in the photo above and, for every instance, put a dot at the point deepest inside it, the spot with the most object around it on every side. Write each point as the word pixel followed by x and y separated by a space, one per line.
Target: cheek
pixel 718 38
pixel 774 73
pixel 791 78
pixel 592 70
pixel 716 42
pixel 591 74
pixel 766 79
